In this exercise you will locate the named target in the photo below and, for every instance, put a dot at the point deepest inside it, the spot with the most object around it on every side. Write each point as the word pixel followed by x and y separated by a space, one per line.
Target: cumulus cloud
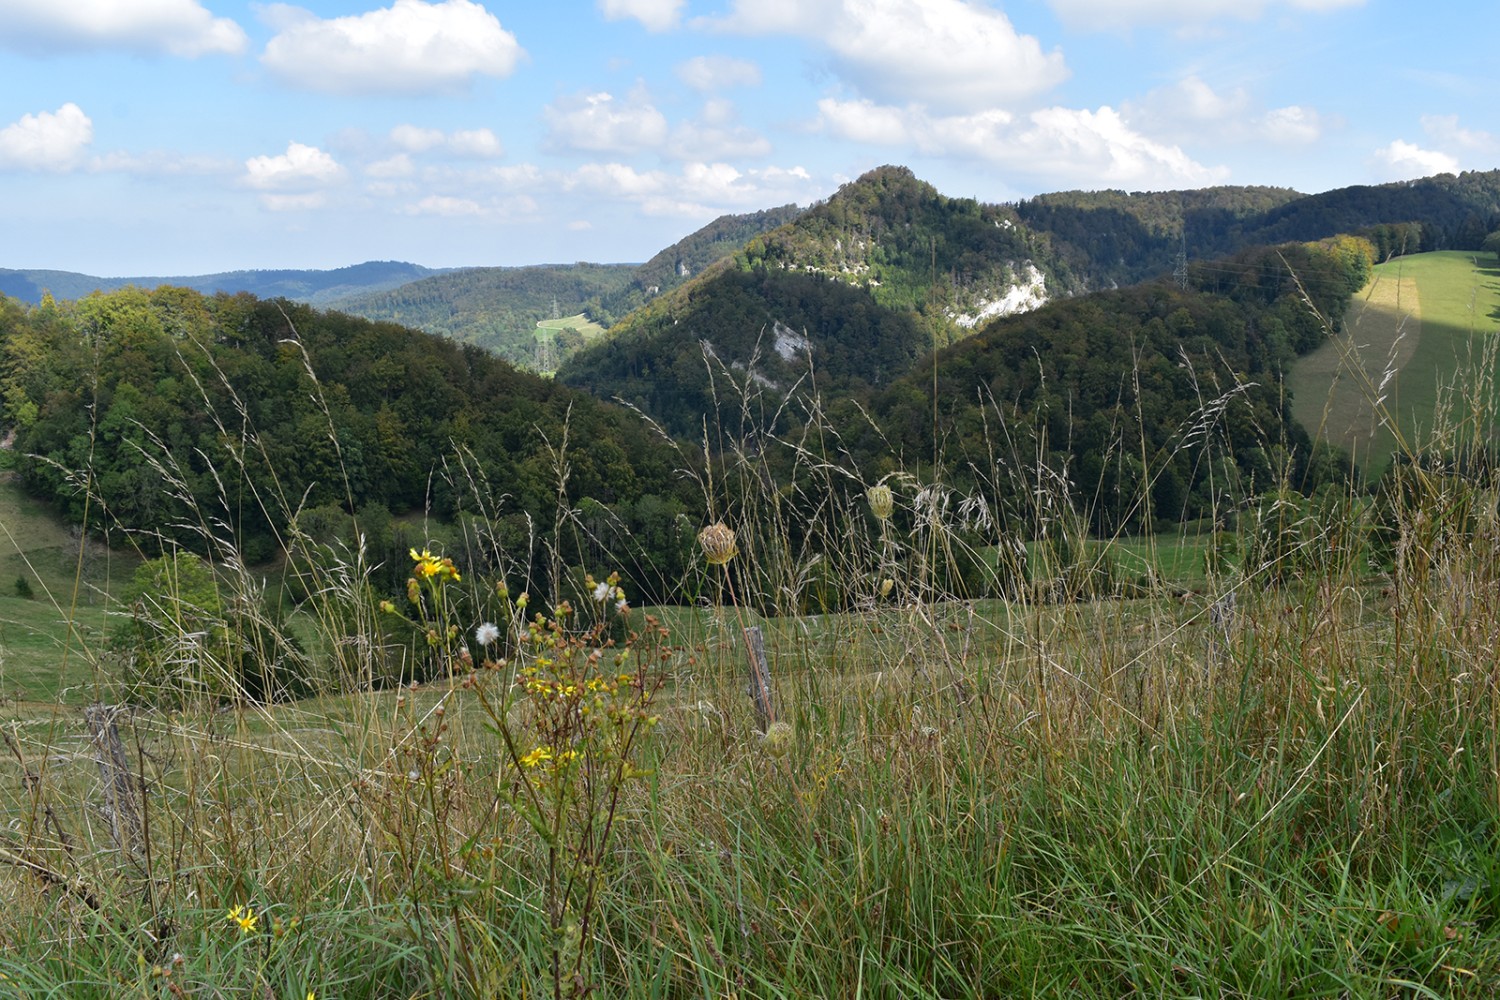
pixel 1118 14
pixel 718 73
pixel 656 15
pixel 47 140
pixel 716 135
pixel 299 168
pixel 1446 130
pixel 1402 160
pixel 599 123
pixel 177 27
pixel 697 190
pixel 1058 146
pixel 479 143
pixel 952 55
pixel 410 47
pixel 457 207
pixel 1191 110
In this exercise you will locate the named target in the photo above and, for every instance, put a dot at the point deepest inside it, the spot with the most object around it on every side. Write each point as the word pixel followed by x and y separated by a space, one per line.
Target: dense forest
pixel 170 415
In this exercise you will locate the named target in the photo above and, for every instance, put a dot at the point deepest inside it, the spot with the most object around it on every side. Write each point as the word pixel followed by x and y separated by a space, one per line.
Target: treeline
pixel 1110 238
pixel 496 308
pixel 165 413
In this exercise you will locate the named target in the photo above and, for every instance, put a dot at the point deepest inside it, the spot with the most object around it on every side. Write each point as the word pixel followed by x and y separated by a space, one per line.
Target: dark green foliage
pixel 764 329
pixel 23 588
pixel 190 416
pixel 187 640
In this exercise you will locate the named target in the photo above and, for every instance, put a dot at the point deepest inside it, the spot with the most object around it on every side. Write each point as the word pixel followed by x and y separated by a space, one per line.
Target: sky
pixel 182 137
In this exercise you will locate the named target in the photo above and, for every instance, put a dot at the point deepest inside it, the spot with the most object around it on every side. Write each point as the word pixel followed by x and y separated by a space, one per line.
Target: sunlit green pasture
pixel 1422 326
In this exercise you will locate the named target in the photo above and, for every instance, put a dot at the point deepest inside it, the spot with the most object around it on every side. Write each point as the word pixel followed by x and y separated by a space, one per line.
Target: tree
pixel 1492 244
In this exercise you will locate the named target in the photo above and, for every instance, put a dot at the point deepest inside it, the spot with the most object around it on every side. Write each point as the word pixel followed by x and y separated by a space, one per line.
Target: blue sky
pixel 158 137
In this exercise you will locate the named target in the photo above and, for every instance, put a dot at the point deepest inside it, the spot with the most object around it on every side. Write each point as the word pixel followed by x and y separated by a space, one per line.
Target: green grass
pixel 1427 318
pixel 590 330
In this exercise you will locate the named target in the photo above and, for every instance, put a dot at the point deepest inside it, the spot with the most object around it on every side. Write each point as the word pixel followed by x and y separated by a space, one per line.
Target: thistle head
pixel 717 542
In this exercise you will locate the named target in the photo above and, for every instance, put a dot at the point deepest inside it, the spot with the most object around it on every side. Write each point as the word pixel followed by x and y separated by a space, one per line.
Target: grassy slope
pixel 1418 318
pixel 42 660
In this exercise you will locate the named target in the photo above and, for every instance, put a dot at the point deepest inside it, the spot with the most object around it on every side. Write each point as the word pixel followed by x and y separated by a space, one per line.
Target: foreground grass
pixel 1097 800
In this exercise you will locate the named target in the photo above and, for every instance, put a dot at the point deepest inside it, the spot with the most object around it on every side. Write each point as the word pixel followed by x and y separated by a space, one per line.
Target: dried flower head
pixel 717 541
pixel 778 739
pixel 882 502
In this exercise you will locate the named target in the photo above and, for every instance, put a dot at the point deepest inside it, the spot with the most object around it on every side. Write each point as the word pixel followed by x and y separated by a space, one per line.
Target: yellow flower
pixel 245 917
pixel 717 541
pixel 536 757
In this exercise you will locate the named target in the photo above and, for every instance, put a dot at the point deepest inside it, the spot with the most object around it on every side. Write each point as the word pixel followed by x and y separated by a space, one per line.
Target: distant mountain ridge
pixel 315 287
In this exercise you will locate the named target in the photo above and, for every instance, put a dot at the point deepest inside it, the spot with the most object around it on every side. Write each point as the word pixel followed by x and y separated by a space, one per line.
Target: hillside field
pixel 1428 320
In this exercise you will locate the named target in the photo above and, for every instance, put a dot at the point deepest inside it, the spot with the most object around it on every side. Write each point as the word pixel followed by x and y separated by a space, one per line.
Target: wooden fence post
pixel 120 791
pixel 760 679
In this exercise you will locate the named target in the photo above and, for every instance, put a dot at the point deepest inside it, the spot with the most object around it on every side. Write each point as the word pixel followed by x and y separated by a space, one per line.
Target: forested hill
pixel 313 286
pixel 260 407
pixel 1148 391
pixel 496 308
pixel 694 253
pixel 1110 238
pixel 855 289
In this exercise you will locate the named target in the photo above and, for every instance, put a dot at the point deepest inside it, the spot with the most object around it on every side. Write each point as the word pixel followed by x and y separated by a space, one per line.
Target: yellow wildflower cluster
pixel 429 567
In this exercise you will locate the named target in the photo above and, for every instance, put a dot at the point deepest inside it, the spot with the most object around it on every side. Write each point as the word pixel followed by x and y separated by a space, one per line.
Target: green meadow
pixel 1417 348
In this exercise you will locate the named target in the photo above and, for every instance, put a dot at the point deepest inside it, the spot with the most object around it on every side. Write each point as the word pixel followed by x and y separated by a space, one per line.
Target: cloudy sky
pixel 158 137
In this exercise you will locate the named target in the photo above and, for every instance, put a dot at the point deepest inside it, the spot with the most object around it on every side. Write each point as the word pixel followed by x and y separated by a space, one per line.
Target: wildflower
pixel 881 501
pixel 717 542
pixel 622 606
pixel 245 917
pixel 601 592
pixel 885 586
pixel 537 756
pixel 523 600
pixel 388 607
pixel 486 634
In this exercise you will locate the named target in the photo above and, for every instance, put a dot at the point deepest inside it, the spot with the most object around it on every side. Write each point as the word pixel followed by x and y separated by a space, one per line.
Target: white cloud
pixel 411 47
pixel 414 139
pixel 1059 146
pixel 1192 111
pixel 399 165
pixel 599 123
pixel 718 73
pixel 656 15
pixel 479 143
pixel 161 163
pixel 1445 129
pixel 47 140
pixel 1402 160
pixel 443 205
pixel 1119 14
pixel 293 202
pixel 179 27
pixel 716 135
pixel 300 167
pixel 952 55
pixel 1291 125
pixel 698 190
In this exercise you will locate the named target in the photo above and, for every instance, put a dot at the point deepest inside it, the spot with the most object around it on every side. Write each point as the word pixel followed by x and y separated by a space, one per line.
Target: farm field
pixel 1427 321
